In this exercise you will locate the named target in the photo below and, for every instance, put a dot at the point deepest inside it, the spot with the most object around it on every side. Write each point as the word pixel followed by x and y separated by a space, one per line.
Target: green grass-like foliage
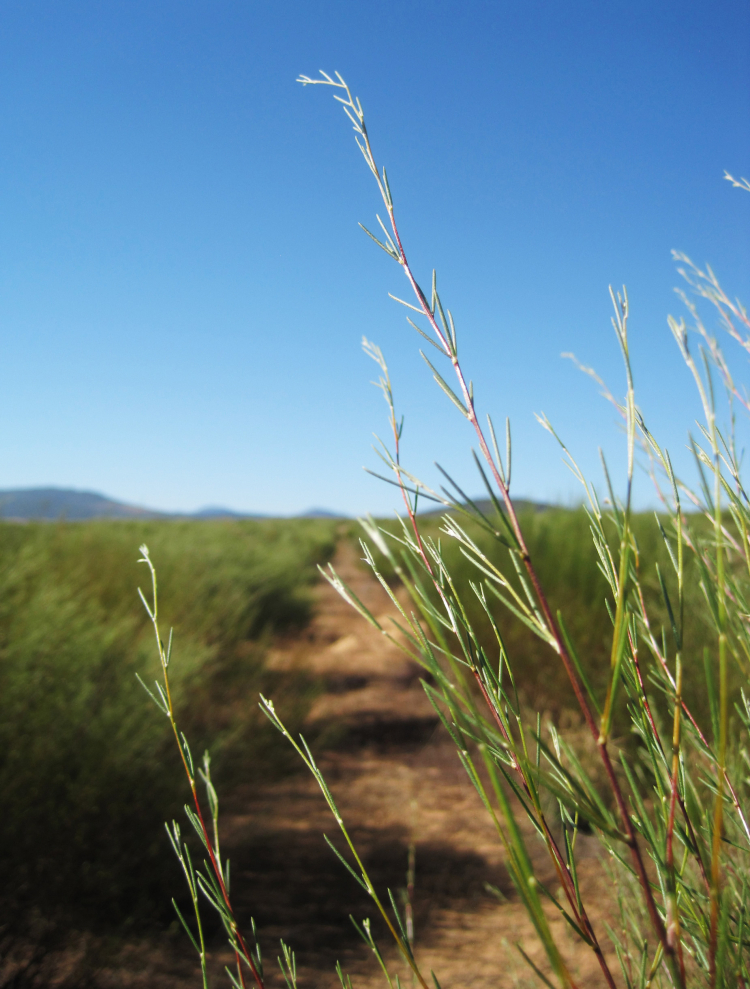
pixel 565 558
pixel 86 769
pixel 669 808
pixel 640 624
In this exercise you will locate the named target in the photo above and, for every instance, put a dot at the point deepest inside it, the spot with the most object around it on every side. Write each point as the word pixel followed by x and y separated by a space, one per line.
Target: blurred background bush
pixel 88 770
pixel 565 558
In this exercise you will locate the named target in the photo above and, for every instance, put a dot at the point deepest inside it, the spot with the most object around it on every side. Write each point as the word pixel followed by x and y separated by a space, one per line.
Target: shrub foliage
pixel 86 771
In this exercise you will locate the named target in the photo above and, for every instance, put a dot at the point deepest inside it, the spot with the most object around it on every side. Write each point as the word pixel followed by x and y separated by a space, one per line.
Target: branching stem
pixel 242 953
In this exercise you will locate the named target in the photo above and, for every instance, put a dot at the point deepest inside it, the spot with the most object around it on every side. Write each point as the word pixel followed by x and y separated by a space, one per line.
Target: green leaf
pixel 422 332
pixel 665 595
pixel 346 865
pixel 185 925
pixel 162 706
pixel 446 388
pixel 387 250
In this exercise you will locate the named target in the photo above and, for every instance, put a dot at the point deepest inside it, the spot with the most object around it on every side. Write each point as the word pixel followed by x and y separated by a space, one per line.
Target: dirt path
pixel 397 780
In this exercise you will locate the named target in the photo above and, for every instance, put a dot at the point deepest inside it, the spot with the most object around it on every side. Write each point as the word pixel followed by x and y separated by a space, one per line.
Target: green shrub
pixel 671 812
pixel 86 768
pixel 559 542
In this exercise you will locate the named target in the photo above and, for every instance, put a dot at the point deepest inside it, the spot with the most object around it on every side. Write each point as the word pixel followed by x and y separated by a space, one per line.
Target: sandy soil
pixel 397 780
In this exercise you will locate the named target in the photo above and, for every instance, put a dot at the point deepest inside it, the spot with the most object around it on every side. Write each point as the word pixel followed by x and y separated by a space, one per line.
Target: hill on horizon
pixel 54 504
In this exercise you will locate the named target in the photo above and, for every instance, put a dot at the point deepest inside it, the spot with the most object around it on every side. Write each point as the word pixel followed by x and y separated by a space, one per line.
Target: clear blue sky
pixel 183 285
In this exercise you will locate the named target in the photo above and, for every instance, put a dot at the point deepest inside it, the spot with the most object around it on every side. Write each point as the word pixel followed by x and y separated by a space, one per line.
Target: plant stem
pixel 630 834
pixel 239 946
pixel 395 249
pixel 718 823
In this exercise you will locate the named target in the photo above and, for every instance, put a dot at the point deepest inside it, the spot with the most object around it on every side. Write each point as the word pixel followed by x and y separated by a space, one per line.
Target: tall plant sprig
pixel 525 783
pixel 724 504
pixel 738 503
pixel 360 873
pixel 442 324
pixel 724 592
pixel 520 863
pixel 720 454
pixel 714 458
pixel 214 884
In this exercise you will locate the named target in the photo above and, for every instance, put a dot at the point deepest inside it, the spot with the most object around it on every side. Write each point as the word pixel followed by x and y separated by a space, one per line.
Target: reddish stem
pixel 630 834
pixel 561 867
pixel 688 714
pixel 216 867
pixel 220 879
pixel 683 808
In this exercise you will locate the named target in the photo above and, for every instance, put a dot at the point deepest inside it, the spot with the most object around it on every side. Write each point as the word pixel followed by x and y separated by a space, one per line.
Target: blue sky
pixel 183 285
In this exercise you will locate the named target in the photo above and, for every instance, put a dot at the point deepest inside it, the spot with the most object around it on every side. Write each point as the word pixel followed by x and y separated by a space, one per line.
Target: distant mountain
pixel 320 513
pixel 216 512
pixel 63 503
pixel 52 504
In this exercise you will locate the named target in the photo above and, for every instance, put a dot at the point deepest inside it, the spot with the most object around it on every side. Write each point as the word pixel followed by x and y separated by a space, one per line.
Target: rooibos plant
pixel 668 810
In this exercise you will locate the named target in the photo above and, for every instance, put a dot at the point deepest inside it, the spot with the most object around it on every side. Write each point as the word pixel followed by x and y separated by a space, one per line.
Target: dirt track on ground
pixel 397 780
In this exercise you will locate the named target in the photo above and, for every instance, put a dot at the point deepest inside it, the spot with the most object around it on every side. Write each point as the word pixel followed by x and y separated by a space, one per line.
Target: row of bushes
pixel 87 768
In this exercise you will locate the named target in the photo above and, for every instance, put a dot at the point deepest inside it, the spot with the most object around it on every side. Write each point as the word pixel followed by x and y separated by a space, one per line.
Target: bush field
pixel 88 771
